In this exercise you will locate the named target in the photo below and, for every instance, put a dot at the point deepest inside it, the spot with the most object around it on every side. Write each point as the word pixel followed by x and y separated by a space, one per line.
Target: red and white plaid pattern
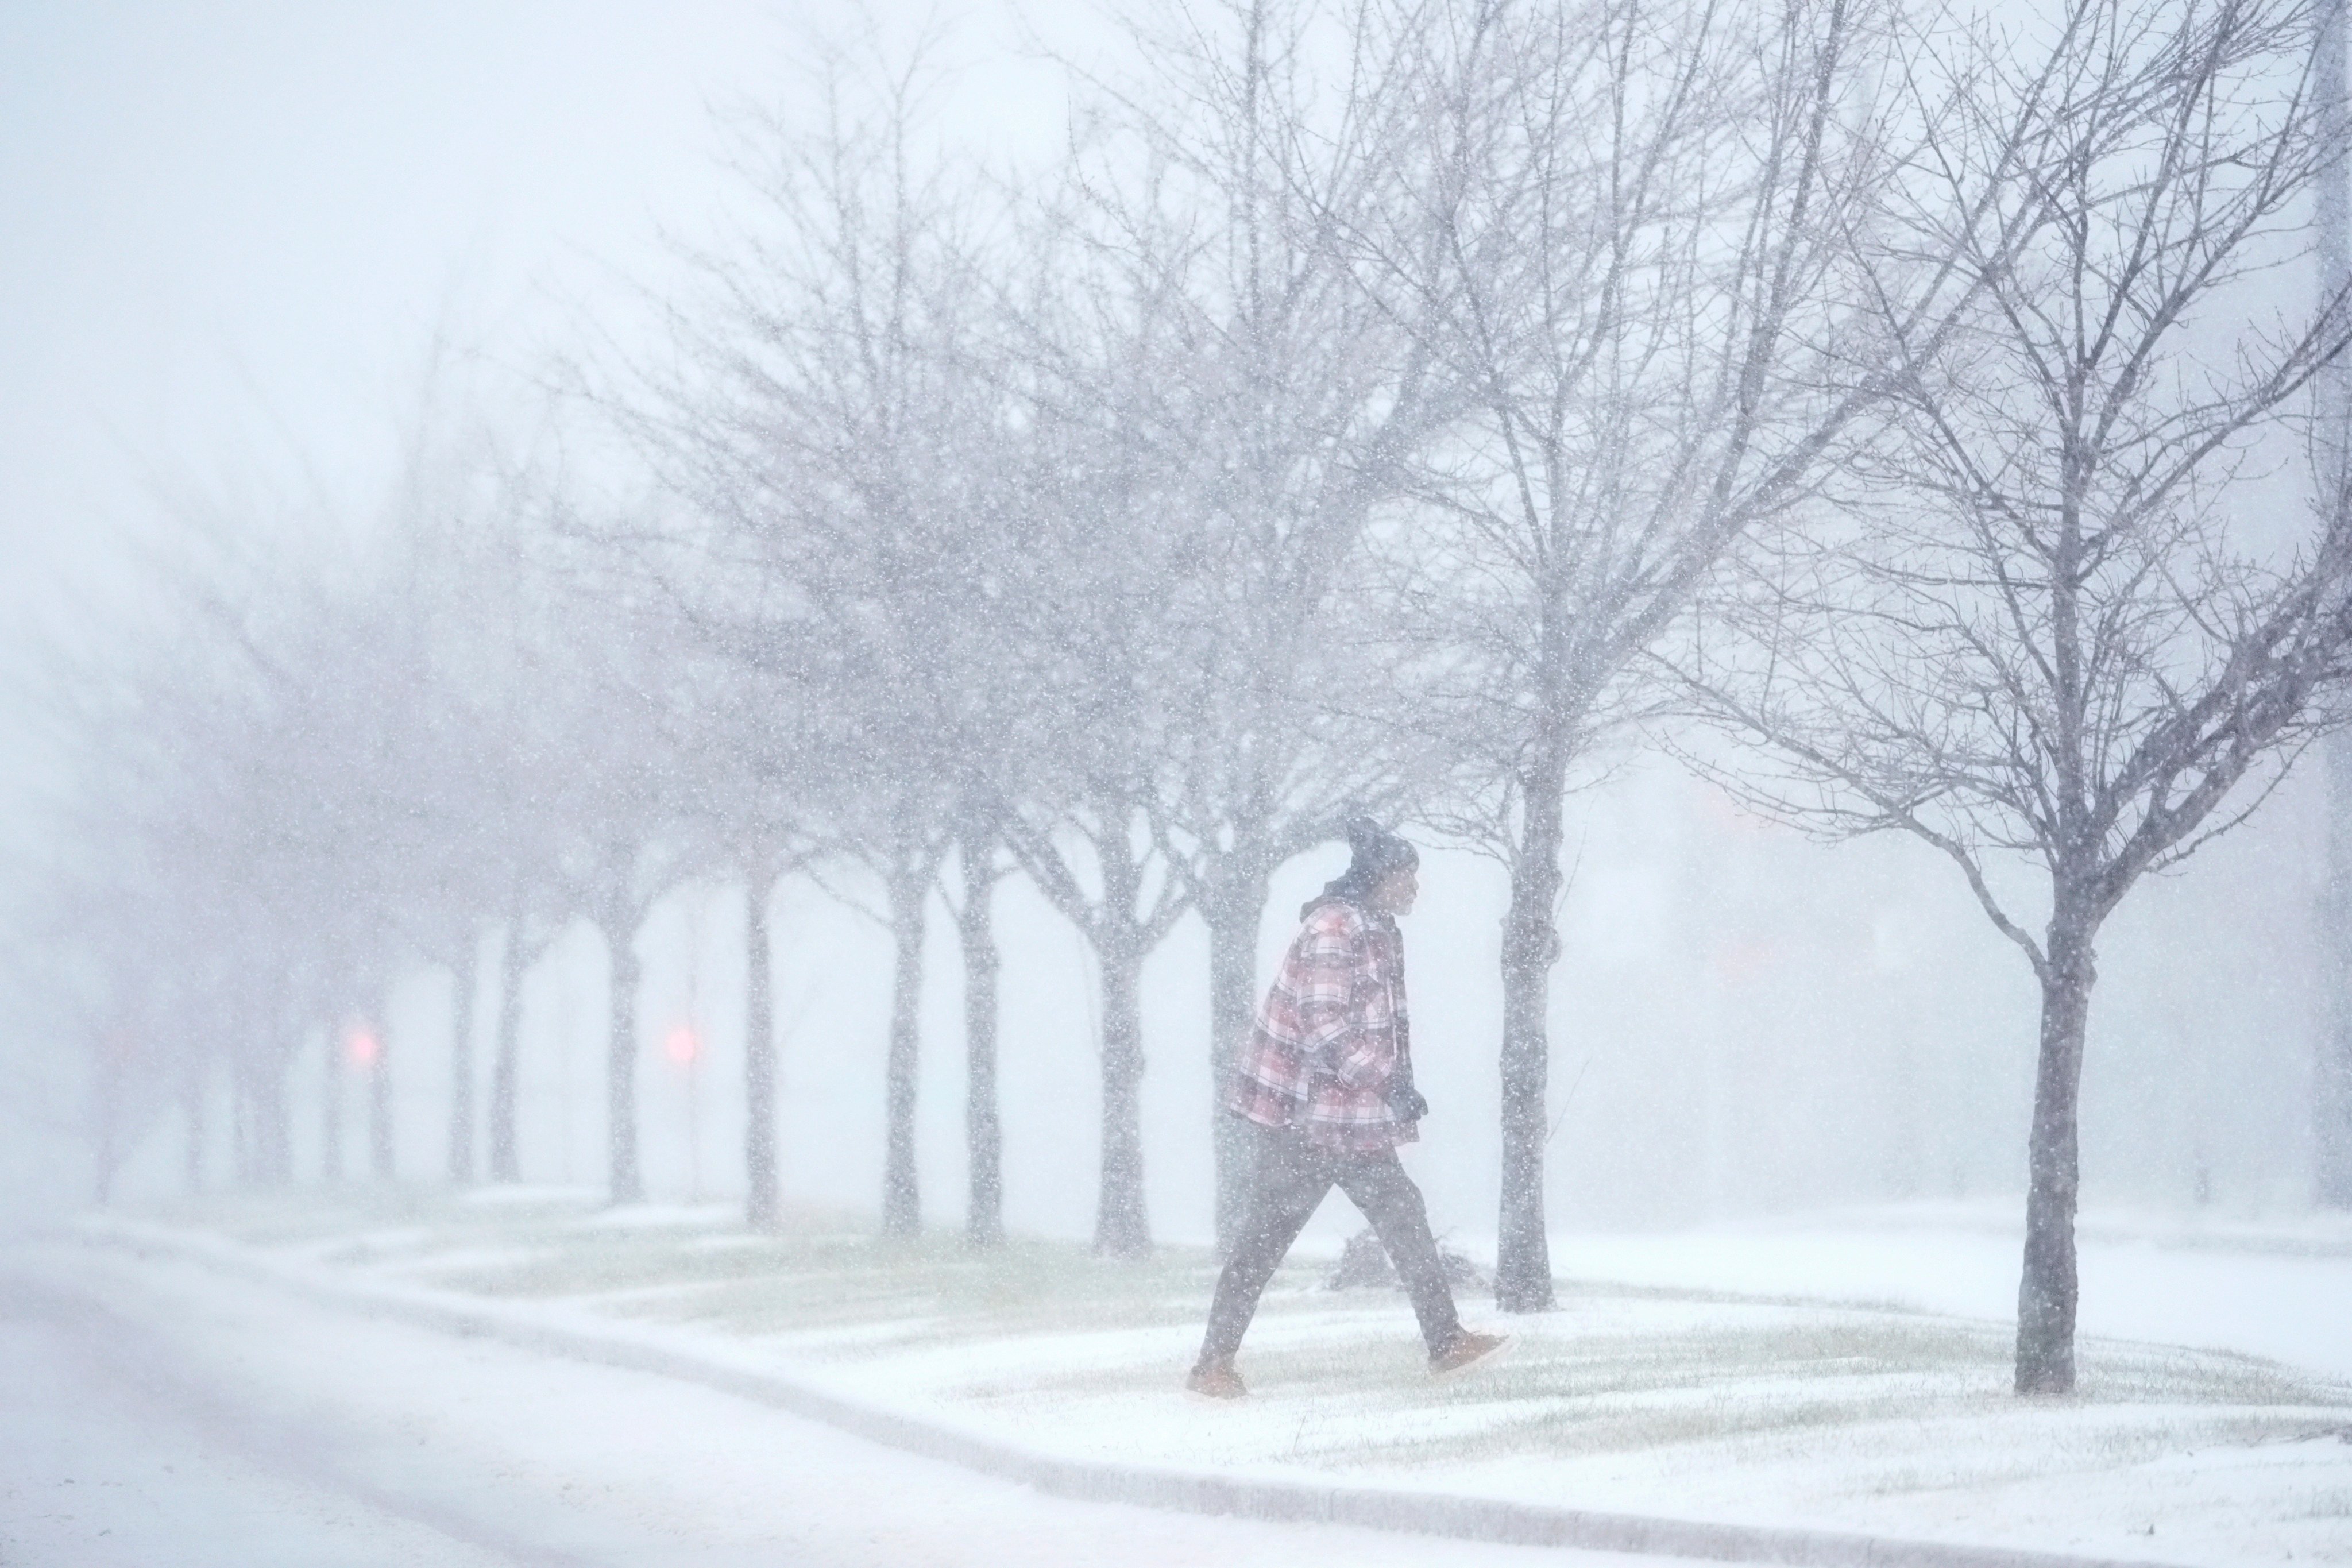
pixel 1332 1034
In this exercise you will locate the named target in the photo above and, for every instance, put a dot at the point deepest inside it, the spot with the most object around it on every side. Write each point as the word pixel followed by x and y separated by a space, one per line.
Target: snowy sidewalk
pixel 166 1415
pixel 2281 1290
pixel 1806 1419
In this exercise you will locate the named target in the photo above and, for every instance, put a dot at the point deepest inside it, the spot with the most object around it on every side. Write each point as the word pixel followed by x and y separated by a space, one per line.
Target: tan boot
pixel 1462 1349
pixel 1217 1380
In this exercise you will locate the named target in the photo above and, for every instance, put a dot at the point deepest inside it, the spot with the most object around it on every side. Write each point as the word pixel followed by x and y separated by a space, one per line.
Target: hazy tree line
pixel 1393 407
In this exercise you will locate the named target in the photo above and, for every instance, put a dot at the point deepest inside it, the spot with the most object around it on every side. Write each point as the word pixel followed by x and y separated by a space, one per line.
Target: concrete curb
pixel 1490 1519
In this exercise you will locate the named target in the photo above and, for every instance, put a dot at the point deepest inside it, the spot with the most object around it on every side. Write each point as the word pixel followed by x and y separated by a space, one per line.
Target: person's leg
pixel 1377 1184
pixel 1289 1182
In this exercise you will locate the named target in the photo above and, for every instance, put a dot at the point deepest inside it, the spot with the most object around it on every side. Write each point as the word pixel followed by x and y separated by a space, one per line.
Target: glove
pixel 1406 1100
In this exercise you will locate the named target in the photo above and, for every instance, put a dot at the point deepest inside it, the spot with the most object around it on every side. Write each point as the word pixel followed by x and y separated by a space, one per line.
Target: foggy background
pixel 234 231
pixel 1747 1023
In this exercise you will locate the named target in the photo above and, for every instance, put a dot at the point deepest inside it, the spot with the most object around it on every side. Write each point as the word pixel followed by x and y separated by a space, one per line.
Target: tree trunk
pixel 379 1108
pixel 1233 911
pixel 2331 1098
pixel 240 1143
pixel 331 1113
pixel 902 1206
pixel 192 1101
pixel 106 1110
pixel 761 1203
pixel 2049 1289
pixel 1122 1228
pixel 273 1136
pixel 621 1061
pixel 2332 1074
pixel 506 1164
pixel 461 1062
pixel 1530 945
pixel 983 1132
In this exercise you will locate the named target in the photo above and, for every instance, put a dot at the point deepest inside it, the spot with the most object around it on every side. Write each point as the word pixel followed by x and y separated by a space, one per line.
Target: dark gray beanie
pixel 1376 852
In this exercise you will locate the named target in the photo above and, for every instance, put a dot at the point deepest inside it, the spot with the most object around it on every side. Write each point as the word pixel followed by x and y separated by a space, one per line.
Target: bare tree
pixel 759 815
pixel 979 869
pixel 250 848
pixel 1291 403
pixel 1105 546
pixel 2332 1098
pixel 826 425
pixel 2048 636
pixel 502 1150
pixel 510 650
pixel 624 849
pixel 1640 219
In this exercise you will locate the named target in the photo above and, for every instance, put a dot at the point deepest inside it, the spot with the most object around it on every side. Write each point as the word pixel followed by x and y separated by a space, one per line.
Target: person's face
pixel 1394 893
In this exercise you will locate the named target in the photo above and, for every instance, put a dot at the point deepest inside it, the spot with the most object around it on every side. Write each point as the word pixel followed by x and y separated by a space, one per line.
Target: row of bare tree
pixel 1389 405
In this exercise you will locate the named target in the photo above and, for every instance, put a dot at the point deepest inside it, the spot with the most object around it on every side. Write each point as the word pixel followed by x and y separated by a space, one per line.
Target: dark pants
pixel 1292 1175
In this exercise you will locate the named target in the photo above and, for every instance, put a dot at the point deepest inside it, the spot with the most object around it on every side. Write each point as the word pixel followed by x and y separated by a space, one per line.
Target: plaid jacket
pixel 1332 1034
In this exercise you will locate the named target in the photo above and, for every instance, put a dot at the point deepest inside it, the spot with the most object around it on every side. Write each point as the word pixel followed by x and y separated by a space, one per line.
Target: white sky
pixel 233 226
pixel 229 229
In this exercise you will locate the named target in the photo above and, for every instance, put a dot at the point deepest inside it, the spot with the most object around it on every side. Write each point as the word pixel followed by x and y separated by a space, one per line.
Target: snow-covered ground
pixel 159 1414
pixel 1847 1372
pixel 2281 1289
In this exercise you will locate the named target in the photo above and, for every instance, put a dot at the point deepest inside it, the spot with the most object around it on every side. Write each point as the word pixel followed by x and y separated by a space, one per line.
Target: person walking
pixel 1328 1079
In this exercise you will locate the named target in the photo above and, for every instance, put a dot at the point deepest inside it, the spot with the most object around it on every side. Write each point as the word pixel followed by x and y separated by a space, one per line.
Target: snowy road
pixel 157 1413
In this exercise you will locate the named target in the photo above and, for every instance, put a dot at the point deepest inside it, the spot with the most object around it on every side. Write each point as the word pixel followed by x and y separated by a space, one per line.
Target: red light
pixel 682 1047
pixel 364 1048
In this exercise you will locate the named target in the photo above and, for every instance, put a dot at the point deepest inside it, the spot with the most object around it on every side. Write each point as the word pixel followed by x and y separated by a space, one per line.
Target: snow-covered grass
pixel 1698 1398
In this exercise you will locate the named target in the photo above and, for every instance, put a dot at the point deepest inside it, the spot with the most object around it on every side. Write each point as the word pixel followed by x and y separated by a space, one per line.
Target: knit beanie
pixel 1375 852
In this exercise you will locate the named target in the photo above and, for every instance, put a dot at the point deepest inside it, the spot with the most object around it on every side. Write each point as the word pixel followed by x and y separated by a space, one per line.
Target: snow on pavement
pixel 159 1411
pixel 1718 1385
